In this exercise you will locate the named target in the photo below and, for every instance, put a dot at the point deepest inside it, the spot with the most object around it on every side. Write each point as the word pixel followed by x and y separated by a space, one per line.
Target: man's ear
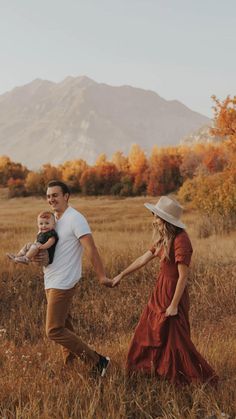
pixel 67 196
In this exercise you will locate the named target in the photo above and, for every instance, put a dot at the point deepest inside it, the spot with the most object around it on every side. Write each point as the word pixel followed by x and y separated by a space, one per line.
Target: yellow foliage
pixel 214 194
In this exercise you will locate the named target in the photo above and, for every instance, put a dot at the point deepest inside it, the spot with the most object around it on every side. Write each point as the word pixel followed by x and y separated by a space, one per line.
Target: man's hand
pixel 42 258
pixel 107 282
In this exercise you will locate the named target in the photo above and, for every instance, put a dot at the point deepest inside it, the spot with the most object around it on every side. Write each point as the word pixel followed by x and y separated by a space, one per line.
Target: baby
pixel 47 239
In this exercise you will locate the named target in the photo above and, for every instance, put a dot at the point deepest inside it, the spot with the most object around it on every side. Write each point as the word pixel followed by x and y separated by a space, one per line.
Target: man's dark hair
pixel 62 185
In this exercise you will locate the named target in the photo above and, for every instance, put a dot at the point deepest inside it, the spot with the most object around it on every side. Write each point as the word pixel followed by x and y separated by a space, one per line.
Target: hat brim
pixel 165 216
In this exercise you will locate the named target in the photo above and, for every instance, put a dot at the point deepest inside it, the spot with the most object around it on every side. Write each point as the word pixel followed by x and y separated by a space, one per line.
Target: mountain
pixel 45 122
pixel 202 135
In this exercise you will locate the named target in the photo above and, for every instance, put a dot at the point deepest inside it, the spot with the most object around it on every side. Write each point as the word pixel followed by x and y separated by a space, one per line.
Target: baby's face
pixel 46 224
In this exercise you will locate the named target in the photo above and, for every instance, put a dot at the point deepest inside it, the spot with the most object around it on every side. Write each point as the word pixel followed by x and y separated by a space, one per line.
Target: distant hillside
pixel 202 135
pixel 78 118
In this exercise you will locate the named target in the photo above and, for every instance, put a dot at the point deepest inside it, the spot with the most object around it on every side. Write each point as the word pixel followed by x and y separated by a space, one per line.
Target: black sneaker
pixel 100 368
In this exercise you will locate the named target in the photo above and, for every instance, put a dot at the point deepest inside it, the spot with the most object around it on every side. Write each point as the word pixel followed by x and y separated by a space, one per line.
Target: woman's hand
pixel 171 311
pixel 116 280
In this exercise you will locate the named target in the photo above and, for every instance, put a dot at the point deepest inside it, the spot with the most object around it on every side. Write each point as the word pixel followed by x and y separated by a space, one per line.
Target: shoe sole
pixel 21 261
pixel 10 256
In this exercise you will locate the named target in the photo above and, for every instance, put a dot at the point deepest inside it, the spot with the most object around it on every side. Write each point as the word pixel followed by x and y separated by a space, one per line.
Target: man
pixel 63 274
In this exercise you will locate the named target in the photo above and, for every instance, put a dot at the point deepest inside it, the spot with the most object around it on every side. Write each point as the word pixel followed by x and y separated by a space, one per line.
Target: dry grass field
pixel 33 383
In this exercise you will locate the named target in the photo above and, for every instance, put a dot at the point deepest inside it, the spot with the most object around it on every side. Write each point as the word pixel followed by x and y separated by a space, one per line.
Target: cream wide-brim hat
pixel 168 209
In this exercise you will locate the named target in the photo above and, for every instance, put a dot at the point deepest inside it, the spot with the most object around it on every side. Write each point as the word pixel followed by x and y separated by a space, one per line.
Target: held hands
pixel 111 283
pixel 107 282
pixel 116 280
pixel 171 311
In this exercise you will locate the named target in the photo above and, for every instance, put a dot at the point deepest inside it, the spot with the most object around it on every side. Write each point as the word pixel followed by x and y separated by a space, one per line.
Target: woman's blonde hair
pixel 163 239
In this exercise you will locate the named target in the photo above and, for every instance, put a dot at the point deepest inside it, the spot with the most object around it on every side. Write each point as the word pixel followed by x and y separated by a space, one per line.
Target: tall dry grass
pixel 33 383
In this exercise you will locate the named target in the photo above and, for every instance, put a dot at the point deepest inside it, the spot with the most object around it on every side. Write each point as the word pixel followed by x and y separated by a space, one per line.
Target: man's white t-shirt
pixel 65 270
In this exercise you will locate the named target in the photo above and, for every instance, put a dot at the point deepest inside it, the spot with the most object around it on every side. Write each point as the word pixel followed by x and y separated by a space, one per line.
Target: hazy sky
pixel 182 49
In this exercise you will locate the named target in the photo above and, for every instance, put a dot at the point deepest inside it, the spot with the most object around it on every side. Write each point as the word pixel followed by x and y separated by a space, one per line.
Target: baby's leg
pixel 30 253
pixel 33 250
pixel 24 249
pixel 22 252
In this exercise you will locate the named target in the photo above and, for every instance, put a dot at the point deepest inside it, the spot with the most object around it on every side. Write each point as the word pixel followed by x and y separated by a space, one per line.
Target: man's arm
pixel 92 252
pixel 48 244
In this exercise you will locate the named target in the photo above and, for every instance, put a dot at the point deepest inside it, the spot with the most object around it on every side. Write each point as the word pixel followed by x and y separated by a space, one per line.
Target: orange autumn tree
pixel 191 160
pixel 72 172
pixel 125 186
pixel 138 166
pixel 215 194
pixel 225 125
pixel 203 159
pixel 121 162
pixel 101 159
pixel 89 181
pixel 13 176
pixel 101 178
pixel 50 172
pixel 164 171
pixel 36 182
pixel 108 176
pixel 215 158
pixel 11 171
pixel 225 120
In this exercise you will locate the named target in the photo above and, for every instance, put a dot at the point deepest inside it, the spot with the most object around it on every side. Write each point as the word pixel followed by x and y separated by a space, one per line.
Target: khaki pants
pixel 59 326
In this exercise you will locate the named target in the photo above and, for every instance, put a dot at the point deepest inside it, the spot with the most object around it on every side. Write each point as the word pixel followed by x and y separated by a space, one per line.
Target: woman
pixel 161 342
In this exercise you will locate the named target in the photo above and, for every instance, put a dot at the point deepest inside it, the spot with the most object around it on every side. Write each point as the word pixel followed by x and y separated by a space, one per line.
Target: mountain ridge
pixel 45 121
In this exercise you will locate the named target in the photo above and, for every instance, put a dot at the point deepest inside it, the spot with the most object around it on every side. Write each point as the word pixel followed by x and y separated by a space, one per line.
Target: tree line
pixel 163 172
pixel 204 174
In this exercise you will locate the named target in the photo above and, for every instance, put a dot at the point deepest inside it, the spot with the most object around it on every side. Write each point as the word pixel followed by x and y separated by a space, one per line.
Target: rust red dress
pixel 162 344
